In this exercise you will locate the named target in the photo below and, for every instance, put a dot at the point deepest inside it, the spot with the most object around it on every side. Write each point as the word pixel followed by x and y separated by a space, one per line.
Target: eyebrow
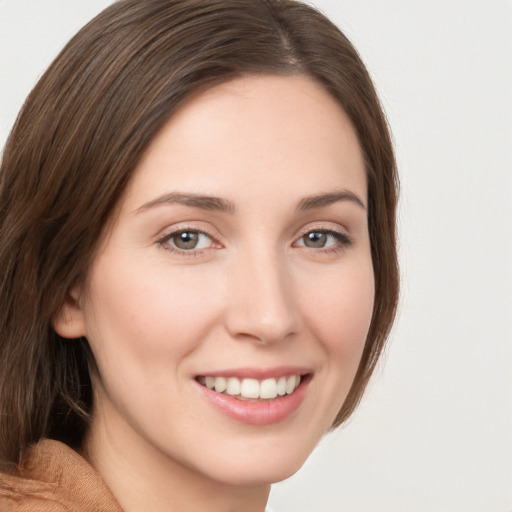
pixel 218 204
pixel 322 200
pixel 210 203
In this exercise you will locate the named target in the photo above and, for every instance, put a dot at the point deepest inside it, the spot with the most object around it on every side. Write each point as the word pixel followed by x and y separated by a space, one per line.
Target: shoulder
pixel 55 478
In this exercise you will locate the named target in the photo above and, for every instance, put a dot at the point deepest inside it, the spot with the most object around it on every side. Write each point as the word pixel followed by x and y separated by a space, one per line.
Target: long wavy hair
pixel 77 140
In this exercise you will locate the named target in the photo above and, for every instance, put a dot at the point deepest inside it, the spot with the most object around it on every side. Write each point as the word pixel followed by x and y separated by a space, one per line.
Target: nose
pixel 262 306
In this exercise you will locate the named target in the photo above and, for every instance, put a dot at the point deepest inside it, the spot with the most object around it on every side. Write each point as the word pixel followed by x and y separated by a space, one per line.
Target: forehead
pixel 253 135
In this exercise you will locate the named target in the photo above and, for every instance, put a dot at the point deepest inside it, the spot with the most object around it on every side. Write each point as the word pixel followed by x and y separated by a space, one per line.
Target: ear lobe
pixel 69 322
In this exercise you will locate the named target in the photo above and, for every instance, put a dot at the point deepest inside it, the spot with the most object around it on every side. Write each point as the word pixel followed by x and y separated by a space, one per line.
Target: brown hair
pixel 77 140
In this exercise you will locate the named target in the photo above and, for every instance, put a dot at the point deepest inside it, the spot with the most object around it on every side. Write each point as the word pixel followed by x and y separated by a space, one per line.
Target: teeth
pixel 220 384
pixel 266 389
pixel 281 386
pixel 250 388
pixel 291 383
pixel 233 386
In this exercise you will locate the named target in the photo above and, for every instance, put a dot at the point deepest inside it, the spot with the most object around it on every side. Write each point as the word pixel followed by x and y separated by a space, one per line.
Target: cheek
pixel 339 311
pixel 146 313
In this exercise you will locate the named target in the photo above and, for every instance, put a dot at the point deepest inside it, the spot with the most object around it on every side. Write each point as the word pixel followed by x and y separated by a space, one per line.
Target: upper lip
pixel 258 373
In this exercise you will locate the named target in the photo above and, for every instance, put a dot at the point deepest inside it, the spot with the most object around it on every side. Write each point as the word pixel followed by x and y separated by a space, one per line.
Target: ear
pixel 69 322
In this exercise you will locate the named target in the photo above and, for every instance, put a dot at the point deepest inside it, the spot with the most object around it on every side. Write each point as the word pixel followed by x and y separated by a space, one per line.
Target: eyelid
pixel 342 235
pixel 164 237
pixel 325 227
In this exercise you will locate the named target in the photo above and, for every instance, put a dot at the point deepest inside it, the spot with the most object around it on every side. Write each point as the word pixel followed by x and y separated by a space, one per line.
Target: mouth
pixel 250 389
pixel 256 396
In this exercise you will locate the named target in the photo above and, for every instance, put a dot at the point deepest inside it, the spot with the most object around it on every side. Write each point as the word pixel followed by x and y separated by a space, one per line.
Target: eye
pixel 187 240
pixel 323 239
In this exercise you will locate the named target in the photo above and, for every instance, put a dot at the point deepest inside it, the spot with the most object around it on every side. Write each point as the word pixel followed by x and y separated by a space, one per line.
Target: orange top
pixel 54 478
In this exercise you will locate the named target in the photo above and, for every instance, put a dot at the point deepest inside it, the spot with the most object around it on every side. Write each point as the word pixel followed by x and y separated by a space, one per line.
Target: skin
pixel 253 293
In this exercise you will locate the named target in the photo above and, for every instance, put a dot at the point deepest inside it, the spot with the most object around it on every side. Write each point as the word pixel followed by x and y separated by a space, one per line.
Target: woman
pixel 198 260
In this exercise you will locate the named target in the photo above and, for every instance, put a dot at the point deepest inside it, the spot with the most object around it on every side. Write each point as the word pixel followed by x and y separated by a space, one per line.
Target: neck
pixel 143 477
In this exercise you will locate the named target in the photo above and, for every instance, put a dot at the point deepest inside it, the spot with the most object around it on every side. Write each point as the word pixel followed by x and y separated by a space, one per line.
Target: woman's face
pixel 239 257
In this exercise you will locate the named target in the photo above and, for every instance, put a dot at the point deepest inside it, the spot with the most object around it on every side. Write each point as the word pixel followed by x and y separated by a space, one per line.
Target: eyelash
pixel 342 241
pixel 164 242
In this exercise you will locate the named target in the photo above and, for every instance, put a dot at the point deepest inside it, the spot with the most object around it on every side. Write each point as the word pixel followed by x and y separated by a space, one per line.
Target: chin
pixel 265 464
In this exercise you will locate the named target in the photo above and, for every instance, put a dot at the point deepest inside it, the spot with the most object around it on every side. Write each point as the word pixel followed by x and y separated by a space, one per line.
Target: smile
pixel 252 389
pixel 256 396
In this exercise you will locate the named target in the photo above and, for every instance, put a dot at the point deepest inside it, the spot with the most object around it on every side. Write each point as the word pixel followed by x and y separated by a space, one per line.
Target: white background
pixel 434 433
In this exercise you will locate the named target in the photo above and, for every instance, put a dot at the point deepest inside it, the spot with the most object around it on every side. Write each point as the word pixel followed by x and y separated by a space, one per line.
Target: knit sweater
pixel 54 478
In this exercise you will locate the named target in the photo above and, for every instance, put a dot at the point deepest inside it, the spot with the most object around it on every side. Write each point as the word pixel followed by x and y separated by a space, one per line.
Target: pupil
pixel 315 239
pixel 186 240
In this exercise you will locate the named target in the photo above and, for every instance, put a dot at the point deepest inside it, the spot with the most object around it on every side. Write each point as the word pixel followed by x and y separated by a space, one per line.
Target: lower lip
pixel 257 413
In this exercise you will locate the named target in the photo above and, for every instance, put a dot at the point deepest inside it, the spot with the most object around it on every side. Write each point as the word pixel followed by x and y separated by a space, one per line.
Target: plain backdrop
pixel 434 433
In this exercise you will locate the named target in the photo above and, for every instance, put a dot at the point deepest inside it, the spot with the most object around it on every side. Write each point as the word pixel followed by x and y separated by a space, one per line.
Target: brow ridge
pixel 212 203
pixel 203 202
pixel 326 199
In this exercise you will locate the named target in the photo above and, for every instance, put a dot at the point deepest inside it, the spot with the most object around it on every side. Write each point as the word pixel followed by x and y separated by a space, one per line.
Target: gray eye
pixel 315 239
pixel 189 240
pixel 185 240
